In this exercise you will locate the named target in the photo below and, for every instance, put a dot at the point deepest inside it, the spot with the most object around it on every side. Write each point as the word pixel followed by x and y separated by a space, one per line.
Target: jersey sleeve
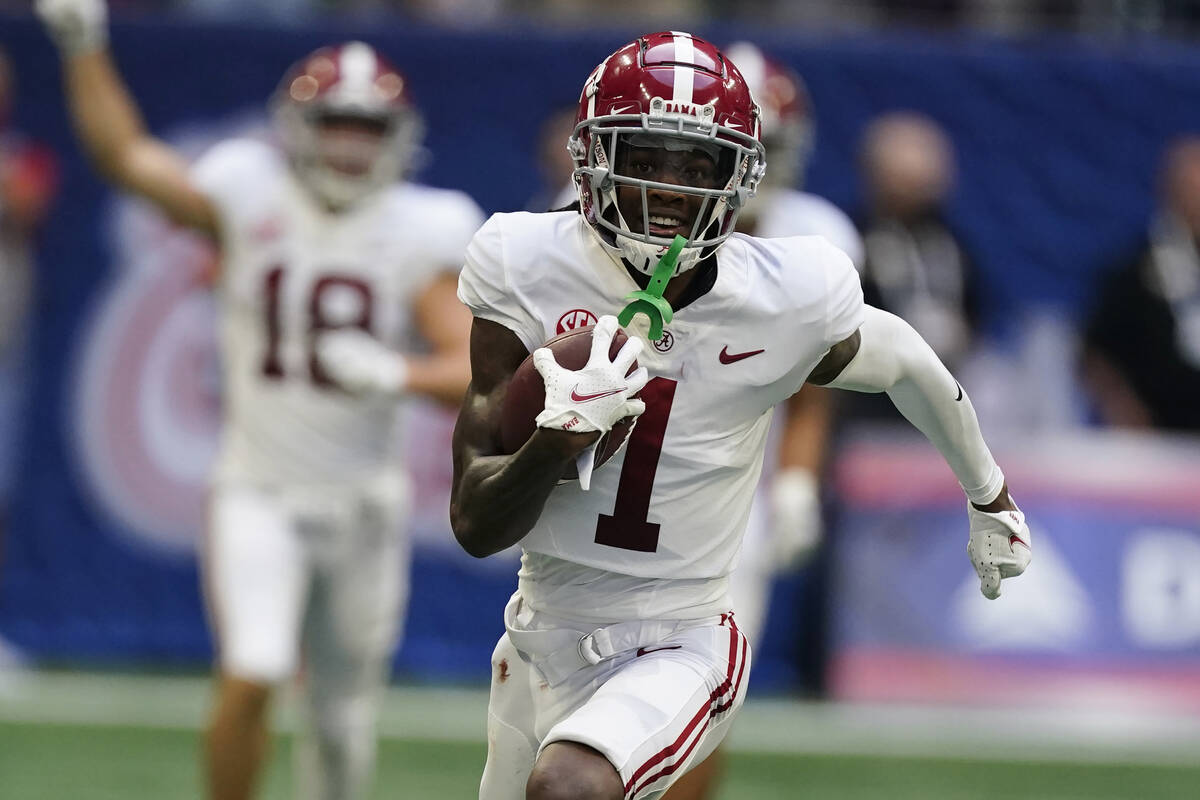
pixel 458 220
pixel 842 233
pixel 228 174
pixel 844 308
pixel 485 288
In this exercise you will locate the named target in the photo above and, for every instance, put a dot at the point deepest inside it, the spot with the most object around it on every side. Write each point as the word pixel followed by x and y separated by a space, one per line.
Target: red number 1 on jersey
pixel 628 527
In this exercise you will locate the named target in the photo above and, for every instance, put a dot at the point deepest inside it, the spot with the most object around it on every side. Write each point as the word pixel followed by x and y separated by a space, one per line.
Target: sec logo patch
pixel 575 318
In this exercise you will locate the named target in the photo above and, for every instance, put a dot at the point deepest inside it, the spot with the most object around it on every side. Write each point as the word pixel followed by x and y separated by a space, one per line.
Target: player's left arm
pixel 885 354
pixel 361 363
pixel 445 323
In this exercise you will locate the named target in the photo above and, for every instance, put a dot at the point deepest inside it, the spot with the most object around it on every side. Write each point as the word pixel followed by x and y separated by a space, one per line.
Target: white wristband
pixel 397 381
pixel 988 491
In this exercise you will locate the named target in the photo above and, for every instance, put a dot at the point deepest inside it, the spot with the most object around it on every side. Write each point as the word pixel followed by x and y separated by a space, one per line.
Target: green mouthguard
pixel 649 301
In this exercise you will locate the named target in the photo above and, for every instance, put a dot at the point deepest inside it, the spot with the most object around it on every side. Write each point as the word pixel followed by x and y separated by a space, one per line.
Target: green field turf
pixel 41 761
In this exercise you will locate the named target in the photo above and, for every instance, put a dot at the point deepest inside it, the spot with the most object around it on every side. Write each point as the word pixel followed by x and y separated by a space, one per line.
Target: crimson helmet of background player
pixel 347 121
pixel 788 125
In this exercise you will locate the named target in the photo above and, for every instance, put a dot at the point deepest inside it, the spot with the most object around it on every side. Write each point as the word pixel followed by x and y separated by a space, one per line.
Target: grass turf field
pixel 52 762
pixel 88 737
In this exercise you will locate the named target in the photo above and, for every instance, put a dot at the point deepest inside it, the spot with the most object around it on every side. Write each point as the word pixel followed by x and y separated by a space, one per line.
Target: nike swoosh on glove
pixel 77 26
pixel 598 396
pixel 358 362
pixel 999 547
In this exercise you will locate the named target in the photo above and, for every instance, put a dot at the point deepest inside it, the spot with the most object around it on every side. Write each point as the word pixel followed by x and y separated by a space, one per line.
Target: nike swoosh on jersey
pixel 1014 539
pixel 583 398
pixel 959 385
pixel 727 357
pixel 642 651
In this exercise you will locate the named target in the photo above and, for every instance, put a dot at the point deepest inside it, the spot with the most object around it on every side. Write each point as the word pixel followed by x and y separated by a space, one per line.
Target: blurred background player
pixel 1142 358
pixel 328 261
pixel 785 526
pixel 915 264
pixel 28 177
pixel 785 521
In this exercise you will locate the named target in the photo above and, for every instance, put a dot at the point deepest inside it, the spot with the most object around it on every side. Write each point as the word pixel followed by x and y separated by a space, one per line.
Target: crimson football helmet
pixel 675 91
pixel 787 116
pixel 347 121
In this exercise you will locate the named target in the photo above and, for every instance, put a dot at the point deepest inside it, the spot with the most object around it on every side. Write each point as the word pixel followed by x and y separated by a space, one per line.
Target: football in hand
pixel 526 395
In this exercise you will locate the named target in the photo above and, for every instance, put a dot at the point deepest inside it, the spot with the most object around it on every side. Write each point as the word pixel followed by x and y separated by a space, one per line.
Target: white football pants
pixel 312 583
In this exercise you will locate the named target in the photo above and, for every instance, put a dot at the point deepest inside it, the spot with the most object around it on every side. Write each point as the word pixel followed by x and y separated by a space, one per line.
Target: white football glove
pixel 999 547
pixel 360 363
pixel 598 396
pixel 795 517
pixel 77 26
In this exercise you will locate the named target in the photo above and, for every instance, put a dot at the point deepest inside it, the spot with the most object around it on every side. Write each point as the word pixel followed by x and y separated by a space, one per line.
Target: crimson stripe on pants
pixel 734 672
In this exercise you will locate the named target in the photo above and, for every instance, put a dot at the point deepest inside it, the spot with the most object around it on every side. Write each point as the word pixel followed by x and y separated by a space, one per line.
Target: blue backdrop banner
pixel 1057 145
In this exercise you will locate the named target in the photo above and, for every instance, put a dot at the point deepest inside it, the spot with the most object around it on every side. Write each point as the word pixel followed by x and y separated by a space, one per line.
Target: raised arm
pixel 107 120
pixel 445 324
pixel 886 355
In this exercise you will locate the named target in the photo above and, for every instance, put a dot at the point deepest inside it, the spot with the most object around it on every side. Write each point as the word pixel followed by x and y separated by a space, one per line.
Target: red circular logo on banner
pixel 575 318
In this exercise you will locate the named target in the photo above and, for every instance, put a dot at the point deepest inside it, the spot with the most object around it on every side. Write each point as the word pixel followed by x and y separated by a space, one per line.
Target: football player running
pixel 785 525
pixel 329 262
pixel 621 665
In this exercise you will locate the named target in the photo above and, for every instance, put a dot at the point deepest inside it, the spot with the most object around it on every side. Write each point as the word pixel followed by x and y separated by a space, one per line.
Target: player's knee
pixel 244 698
pixel 571 771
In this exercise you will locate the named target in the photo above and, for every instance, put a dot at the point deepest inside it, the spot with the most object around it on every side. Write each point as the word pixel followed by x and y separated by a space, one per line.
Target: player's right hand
pixel 77 26
pixel 999 547
pixel 358 362
pixel 598 396
pixel 795 502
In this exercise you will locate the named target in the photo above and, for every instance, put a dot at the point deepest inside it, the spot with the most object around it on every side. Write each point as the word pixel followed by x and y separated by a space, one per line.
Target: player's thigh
pixel 256 576
pixel 666 710
pixel 512 742
pixel 353 617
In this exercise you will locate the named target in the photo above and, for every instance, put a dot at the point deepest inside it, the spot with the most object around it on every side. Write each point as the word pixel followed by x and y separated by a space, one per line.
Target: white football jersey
pixel 787 212
pixel 290 270
pixel 659 531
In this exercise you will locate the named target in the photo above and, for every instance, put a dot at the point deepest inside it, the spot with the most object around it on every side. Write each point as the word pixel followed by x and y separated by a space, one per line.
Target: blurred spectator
pixel 1142 360
pixel 915 265
pixel 28 176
